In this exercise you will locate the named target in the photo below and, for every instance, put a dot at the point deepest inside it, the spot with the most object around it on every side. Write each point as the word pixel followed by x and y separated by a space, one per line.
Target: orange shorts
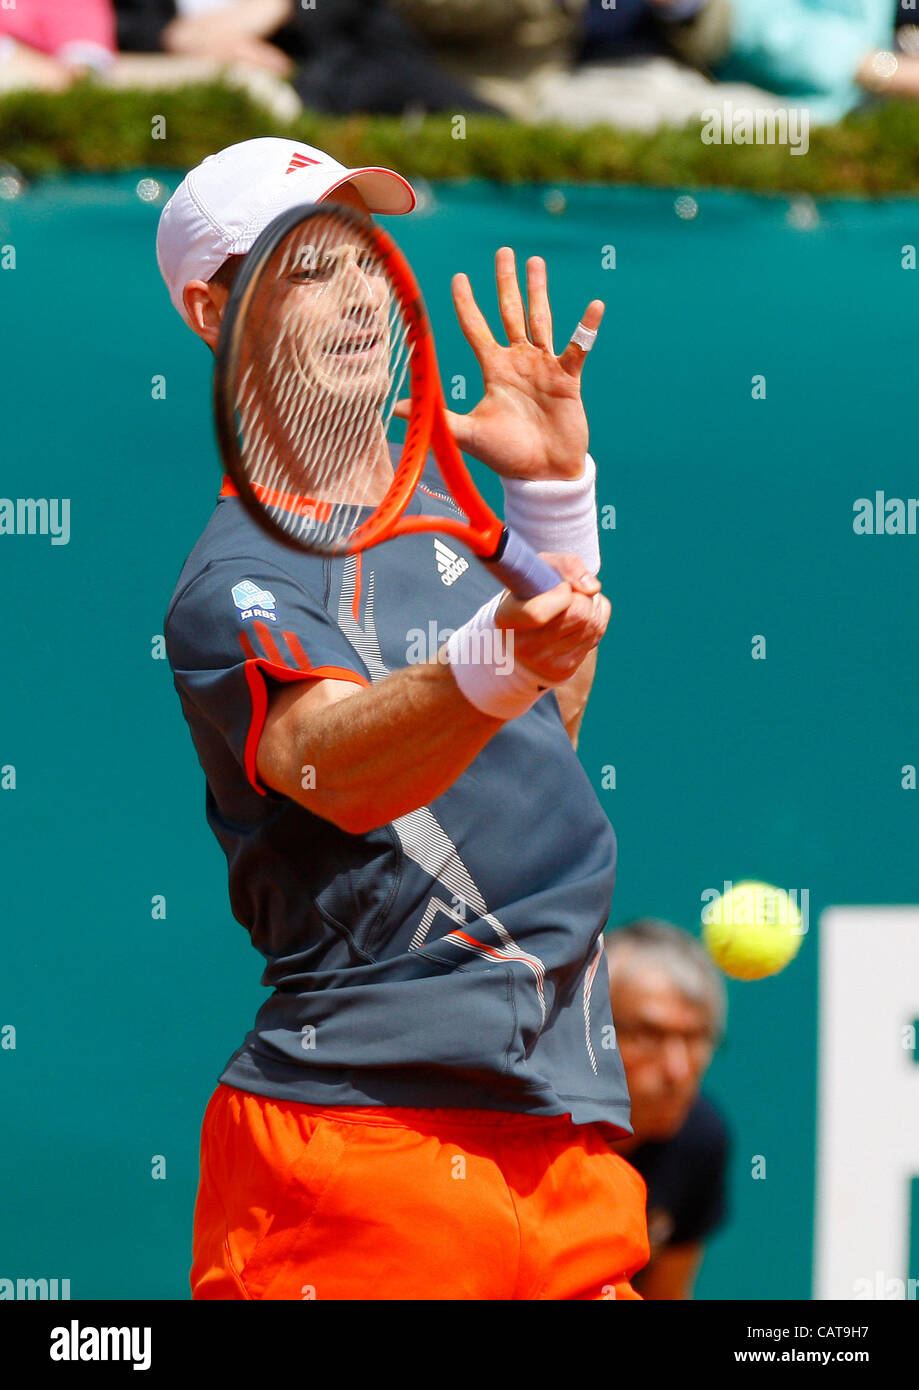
pixel 301 1201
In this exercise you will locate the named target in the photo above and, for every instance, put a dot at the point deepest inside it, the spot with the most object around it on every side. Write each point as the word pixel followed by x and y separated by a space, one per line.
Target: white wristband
pixel 559 516
pixel 481 657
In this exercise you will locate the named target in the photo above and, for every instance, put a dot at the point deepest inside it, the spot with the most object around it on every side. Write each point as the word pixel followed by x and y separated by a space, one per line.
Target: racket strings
pixel 324 356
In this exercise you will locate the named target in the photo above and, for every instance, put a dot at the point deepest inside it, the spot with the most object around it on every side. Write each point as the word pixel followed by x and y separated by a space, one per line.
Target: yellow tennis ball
pixel 752 930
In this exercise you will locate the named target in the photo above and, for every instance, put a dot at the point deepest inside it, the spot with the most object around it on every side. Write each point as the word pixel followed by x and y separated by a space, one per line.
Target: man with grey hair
pixel 670 1006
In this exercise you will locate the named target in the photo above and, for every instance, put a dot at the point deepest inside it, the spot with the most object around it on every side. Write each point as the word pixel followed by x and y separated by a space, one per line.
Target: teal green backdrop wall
pixel 733 519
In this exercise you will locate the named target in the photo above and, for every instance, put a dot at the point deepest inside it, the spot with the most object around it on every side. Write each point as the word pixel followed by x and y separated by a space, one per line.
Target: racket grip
pixel 519 567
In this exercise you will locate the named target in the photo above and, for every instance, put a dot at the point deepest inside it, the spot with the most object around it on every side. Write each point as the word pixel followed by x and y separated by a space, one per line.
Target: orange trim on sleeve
pixel 256 667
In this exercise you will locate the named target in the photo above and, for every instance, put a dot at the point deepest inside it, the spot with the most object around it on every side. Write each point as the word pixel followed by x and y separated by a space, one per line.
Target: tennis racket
pixel 324 331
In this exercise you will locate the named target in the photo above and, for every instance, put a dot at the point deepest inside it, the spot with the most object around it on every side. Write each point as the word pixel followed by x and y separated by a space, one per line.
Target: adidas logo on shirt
pixel 449 565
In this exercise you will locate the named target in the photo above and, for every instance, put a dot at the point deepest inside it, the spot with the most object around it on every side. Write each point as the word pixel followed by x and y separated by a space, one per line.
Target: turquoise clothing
pixel 807 50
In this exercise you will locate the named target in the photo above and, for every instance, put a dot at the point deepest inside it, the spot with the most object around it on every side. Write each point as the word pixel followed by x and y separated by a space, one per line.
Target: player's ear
pixel 204 304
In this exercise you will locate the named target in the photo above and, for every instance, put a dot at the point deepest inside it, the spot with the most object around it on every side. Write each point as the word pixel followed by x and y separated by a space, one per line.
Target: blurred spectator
pixel 47 44
pixel 578 62
pixel 635 63
pixel 361 55
pixel 669 1009
pixel 503 49
pixel 342 56
pixel 228 31
pixel 822 54
pixel 641 63
pixel 637 25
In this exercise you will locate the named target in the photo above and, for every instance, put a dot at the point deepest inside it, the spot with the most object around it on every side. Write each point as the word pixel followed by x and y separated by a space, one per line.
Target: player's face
pixel 666 1047
pixel 330 300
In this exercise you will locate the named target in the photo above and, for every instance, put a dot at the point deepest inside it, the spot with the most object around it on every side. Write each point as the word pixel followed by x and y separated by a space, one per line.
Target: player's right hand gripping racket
pixel 324 326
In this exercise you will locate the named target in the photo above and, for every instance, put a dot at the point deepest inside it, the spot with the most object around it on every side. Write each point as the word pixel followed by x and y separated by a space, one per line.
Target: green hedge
pixel 874 151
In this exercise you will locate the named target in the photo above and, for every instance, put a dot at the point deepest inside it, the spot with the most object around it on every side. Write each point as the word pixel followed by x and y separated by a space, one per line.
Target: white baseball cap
pixel 221 206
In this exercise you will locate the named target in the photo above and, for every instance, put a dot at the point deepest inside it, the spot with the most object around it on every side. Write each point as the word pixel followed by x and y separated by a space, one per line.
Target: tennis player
pixel 422 1108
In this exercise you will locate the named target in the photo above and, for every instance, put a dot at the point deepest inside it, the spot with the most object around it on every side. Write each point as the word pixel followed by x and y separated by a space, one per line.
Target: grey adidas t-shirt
pixel 452 957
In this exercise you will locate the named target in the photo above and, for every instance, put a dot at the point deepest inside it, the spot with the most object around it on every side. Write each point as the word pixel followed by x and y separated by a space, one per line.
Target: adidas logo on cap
pixel 449 565
pixel 300 161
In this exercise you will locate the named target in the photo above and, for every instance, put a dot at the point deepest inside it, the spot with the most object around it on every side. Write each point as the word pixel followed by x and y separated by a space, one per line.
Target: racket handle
pixel 520 568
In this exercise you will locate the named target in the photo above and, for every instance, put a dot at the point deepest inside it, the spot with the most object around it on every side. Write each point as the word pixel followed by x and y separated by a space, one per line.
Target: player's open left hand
pixel 554 632
pixel 530 423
